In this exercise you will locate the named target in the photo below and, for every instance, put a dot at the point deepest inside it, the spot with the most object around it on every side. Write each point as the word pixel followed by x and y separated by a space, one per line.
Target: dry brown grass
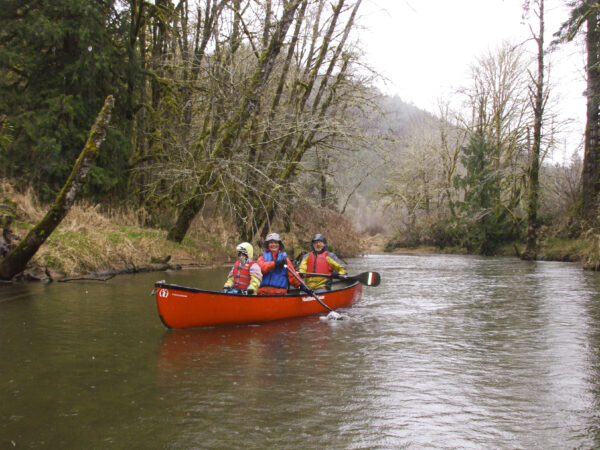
pixel 94 239
pixel 86 241
pixel 28 208
pixel 342 238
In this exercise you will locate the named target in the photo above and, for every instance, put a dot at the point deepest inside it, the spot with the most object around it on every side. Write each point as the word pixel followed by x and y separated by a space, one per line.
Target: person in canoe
pixel 276 278
pixel 320 261
pixel 245 275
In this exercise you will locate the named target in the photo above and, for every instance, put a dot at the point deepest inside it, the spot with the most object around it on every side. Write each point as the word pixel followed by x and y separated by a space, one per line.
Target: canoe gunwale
pixel 346 284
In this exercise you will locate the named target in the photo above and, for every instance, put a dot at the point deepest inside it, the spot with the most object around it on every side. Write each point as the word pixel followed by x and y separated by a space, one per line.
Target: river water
pixel 448 352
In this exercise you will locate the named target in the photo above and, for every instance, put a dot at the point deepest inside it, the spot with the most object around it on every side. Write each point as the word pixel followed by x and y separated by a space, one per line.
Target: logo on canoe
pixel 312 299
pixel 164 293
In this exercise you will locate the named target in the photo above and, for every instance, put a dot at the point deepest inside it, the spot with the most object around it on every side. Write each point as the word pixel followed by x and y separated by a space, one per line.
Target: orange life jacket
pixel 241 274
pixel 318 263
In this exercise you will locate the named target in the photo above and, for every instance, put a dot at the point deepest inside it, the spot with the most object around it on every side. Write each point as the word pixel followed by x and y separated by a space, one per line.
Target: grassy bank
pixel 88 241
pixel 584 250
pixel 92 240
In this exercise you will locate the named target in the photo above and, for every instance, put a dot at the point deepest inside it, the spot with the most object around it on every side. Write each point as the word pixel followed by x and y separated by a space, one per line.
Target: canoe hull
pixel 185 307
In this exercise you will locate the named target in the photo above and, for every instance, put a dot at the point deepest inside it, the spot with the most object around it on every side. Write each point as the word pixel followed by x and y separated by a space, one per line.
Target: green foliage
pixel 482 223
pixel 6 133
pixel 557 249
pixel 133 233
pixel 58 62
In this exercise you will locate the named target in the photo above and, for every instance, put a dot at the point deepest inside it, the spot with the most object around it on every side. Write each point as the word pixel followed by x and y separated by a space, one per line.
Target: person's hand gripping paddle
pixel 332 314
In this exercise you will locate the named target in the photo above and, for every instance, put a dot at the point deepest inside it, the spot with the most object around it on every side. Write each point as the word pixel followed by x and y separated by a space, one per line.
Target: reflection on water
pixel 449 351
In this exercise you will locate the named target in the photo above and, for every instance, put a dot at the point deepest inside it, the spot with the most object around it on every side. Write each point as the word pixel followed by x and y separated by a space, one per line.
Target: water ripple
pixel 448 352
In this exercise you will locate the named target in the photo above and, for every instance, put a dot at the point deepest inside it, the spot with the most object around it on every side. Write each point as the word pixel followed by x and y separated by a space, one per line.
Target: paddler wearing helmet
pixel 320 261
pixel 245 275
pixel 276 278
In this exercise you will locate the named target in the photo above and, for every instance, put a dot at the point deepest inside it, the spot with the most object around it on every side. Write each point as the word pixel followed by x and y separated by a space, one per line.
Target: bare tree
pixel 236 126
pixel 538 96
pixel 317 99
pixel 416 188
pixel 497 100
pixel 250 113
pixel 452 138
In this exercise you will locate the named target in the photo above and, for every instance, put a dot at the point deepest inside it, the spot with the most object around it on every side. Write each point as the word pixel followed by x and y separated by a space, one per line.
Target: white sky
pixel 425 47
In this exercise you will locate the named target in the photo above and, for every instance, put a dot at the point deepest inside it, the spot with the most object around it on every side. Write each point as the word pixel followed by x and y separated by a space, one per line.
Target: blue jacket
pixel 276 277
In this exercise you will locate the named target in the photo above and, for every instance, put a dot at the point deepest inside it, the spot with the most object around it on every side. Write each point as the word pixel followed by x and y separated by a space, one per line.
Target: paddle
pixel 366 278
pixel 311 292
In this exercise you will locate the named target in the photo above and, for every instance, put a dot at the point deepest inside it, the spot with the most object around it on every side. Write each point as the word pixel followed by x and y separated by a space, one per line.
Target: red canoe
pixel 186 307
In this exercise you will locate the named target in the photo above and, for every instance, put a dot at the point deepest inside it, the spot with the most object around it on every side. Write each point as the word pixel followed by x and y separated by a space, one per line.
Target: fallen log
pixel 108 274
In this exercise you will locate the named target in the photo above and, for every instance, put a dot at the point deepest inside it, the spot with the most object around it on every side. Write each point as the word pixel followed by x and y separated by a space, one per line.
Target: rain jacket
pixel 245 275
pixel 274 277
pixel 325 262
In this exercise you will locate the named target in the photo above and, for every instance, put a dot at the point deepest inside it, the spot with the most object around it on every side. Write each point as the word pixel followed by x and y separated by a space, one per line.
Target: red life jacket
pixel 241 274
pixel 318 263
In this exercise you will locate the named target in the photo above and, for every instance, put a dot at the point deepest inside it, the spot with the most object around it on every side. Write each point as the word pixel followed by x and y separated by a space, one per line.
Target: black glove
pixel 328 283
pixel 308 290
pixel 279 263
pixel 248 291
pixel 334 274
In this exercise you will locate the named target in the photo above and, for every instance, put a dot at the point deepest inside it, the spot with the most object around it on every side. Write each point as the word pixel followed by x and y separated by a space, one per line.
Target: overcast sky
pixel 425 47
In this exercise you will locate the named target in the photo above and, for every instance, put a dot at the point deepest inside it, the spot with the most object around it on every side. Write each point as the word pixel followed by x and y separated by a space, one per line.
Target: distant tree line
pixel 477 176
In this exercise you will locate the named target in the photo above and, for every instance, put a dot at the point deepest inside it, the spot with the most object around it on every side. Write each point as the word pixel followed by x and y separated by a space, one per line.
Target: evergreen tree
pixel 482 226
pixel 58 61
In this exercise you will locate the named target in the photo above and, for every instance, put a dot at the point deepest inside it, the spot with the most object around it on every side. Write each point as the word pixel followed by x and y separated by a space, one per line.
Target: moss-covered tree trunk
pixel 16 260
pixel 322 96
pixel 590 177
pixel 537 98
pixel 231 130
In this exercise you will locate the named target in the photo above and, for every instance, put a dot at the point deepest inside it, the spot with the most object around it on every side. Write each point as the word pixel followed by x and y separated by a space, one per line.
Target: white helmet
pixel 273 237
pixel 245 248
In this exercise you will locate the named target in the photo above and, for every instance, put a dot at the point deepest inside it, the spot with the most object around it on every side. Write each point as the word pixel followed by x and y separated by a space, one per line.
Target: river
pixel 448 352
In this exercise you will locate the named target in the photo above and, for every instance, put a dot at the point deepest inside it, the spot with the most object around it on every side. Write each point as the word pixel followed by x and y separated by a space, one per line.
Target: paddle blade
pixel 368 278
pixel 334 316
